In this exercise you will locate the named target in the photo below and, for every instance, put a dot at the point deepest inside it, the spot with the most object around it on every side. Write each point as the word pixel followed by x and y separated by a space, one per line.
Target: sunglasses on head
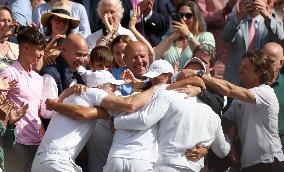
pixel 186 15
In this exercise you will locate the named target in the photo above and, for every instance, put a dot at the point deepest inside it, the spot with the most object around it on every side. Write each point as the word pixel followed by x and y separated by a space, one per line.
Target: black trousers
pixel 276 166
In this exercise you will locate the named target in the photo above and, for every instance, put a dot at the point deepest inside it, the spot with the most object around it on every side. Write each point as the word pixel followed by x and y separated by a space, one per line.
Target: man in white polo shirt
pixel 255 112
pixel 65 137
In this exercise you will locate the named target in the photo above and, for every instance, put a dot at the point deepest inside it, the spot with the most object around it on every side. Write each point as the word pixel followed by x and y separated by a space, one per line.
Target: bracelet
pixel 190 36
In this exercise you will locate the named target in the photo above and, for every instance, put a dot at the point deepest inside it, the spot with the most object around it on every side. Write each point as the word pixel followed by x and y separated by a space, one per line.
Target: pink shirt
pixel 29 90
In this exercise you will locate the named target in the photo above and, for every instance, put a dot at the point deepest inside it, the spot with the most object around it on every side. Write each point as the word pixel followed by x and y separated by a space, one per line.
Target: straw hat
pixel 60 12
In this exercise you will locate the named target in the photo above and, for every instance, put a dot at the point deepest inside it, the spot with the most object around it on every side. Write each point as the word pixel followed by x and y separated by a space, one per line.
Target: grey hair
pixel 116 3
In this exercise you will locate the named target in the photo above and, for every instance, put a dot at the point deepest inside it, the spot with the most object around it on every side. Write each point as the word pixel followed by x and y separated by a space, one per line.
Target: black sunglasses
pixel 186 15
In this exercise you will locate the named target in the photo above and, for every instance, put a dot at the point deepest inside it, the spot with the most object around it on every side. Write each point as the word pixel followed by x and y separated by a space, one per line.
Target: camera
pixel 176 17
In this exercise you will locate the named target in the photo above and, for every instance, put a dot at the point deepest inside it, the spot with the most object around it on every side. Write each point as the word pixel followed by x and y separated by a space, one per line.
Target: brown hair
pixel 199 24
pixel 4 7
pixel 31 35
pixel 101 54
pixel 119 39
pixel 262 64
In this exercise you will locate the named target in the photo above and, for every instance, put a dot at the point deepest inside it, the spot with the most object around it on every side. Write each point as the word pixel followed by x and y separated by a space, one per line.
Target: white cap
pixel 159 67
pixel 102 77
pixel 195 60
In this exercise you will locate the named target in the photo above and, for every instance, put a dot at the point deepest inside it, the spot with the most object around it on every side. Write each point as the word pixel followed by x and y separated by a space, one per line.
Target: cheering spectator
pixel 77 11
pixel 110 12
pixel 29 90
pixel 187 32
pixel 8 51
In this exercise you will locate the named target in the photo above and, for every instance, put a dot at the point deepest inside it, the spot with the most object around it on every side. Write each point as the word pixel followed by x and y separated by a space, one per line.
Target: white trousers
pixel 48 162
pixel 170 168
pixel 128 165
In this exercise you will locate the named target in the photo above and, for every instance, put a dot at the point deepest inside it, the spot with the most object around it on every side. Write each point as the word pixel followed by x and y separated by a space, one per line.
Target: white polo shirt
pixel 183 123
pixel 67 135
pixel 257 127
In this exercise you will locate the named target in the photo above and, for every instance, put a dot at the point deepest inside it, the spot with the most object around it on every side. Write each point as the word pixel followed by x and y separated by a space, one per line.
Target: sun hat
pixel 159 67
pixel 61 12
pixel 102 77
pixel 195 60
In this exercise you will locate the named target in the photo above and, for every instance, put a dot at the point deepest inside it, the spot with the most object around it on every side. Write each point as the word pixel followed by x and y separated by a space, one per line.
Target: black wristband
pixel 200 73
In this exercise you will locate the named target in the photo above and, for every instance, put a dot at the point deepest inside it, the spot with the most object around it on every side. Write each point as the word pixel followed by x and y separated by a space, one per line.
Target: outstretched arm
pixel 77 112
pixel 128 104
pixel 223 87
pixel 228 89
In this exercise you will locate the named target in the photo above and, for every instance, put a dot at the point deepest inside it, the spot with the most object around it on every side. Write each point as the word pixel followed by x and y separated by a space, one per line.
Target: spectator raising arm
pixel 138 36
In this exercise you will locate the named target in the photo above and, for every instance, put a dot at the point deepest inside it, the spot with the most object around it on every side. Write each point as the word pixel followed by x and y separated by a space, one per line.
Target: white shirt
pixel 258 127
pixel 67 135
pixel 183 123
pixel 92 39
pixel 133 143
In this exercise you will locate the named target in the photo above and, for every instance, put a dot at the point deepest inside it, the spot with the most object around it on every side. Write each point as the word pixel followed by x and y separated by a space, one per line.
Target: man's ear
pixel 282 62
pixel 63 50
pixel 25 47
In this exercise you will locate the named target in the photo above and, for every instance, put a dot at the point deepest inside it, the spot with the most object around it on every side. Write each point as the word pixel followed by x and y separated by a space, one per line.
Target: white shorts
pixel 129 165
pixel 46 162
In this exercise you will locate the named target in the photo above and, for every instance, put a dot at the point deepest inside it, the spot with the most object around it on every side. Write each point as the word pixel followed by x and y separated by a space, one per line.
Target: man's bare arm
pixel 77 112
pixel 128 104
pixel 228 89
pixel 192 80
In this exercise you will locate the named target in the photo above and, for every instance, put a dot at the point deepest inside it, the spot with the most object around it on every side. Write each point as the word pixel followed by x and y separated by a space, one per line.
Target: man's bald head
pixel 74 50
pixel 274 51
pixel 74 40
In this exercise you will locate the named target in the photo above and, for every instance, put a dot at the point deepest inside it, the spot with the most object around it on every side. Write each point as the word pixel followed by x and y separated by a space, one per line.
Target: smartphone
pixel 60 41
pixel 176 17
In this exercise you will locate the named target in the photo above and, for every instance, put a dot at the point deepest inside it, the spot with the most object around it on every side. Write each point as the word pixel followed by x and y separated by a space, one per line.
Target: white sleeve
pixel 264 95
pixel 221 144
pixel 145 118
pixel 92 39
pixel 50 90
pixel 95 96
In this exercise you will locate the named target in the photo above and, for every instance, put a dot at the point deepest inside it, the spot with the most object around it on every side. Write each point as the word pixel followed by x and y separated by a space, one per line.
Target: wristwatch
pixel 190 36
pixel 200 73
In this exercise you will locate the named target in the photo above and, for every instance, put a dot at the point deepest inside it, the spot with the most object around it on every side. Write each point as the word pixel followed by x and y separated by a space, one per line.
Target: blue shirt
pixel 124 89
pixel 21 10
